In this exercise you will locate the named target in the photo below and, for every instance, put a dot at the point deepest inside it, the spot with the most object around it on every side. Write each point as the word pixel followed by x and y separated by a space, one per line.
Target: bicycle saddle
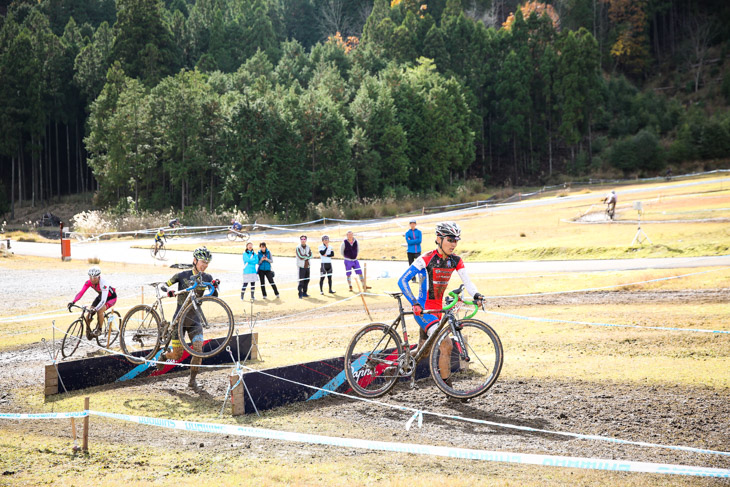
pixel 395 295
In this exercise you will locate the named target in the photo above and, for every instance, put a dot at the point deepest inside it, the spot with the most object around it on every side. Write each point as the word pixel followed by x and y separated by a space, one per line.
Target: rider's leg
pixel 445 358
pixel 195 361
pixel 100 318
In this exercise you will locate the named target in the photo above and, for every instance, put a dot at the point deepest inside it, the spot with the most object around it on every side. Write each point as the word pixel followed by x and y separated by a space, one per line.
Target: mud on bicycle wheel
pixel 140 330
pixel 216 318
pixel 371 361
pixel 473 378
pixel 110 330
pixel 72 338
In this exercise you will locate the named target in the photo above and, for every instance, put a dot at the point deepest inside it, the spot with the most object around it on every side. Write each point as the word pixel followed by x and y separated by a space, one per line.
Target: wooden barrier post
pixel 85 437
pixel 237 399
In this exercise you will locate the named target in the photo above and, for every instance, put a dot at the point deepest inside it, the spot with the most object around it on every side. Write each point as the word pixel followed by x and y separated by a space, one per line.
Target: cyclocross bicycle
pixel 158 253
pixel 145 328
pixel 377 356
pixel 105 338
pixel 237 234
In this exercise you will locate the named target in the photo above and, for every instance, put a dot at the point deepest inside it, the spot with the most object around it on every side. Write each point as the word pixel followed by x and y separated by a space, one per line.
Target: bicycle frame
pixel 188 299
pixel 448 316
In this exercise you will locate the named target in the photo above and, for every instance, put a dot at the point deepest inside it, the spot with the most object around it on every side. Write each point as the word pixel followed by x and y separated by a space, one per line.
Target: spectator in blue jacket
pixel 413 239
pixel 265 271
pixel 250 259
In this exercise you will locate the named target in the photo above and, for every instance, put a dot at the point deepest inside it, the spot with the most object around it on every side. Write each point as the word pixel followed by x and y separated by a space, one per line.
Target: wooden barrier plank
pixel 107 369
pixel 268 390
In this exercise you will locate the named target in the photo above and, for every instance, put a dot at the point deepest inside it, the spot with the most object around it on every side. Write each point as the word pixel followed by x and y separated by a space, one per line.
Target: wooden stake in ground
pixel 357 281
pixel 85 437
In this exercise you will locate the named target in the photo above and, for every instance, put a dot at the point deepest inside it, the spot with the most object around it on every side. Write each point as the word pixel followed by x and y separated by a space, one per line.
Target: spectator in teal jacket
pixel 250 259
pixel 265 271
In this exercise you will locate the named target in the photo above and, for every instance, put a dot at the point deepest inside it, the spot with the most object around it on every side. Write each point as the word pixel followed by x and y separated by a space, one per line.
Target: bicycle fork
pixel 460 342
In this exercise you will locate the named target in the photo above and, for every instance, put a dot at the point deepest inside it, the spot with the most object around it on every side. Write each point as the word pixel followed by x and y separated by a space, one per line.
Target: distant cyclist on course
pixel 174 223
pixel 610 201
pixel 158 239
pixel 235 225
pixel 435 269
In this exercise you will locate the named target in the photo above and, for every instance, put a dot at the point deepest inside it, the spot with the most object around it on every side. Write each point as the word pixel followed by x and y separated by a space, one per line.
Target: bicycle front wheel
pixel 475 361
pixel 210 317
pixel 140 331
pixel 72 338
pixel 372 358
pixel 161 252
pixel 110 331
pixel 231 236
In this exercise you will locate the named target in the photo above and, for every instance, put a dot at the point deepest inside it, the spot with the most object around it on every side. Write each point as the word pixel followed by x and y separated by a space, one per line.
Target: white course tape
pixel 79 414
pixel 432 450
pixel 492 423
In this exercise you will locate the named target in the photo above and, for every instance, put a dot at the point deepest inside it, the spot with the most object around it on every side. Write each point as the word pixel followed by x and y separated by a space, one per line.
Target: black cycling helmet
pixel 448 229
pixel 202 253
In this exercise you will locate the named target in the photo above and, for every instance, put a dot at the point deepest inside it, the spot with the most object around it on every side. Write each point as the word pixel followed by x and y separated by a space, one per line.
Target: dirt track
pixel 671 415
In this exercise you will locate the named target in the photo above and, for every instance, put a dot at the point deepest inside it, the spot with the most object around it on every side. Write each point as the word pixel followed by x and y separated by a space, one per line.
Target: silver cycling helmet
pixel 202 253
pixel 448 229
pixel 94 271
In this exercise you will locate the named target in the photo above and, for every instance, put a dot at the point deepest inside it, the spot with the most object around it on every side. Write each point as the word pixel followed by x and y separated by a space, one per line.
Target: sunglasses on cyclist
pixel 452 239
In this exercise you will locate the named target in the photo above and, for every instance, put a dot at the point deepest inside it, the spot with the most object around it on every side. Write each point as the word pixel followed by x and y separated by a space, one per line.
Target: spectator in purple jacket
pixel 349 250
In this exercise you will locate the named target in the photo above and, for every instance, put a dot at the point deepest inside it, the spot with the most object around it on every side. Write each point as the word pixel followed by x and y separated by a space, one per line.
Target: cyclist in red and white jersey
pixel 105 300
pixel 435 269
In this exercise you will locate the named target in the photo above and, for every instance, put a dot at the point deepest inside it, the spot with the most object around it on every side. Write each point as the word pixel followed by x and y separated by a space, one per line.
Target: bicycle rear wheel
pixel 244 236
pixel 140 331
pixel 371 361
pixel 72 338
pixel 110 331
pixel 213 318
pixel 475 377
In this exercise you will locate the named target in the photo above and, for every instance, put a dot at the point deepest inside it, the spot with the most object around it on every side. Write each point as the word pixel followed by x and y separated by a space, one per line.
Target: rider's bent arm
pixel 87 284
pixel 418 267
pixel 470 287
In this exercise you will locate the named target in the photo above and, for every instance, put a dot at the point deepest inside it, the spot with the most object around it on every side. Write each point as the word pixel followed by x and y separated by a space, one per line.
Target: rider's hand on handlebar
pixel 170 293
pixel 216 282
pixel 417 309
pixel 70 305
pixel 479 300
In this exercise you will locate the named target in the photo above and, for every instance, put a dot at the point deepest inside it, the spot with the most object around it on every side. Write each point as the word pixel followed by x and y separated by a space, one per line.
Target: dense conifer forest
pixel 270 105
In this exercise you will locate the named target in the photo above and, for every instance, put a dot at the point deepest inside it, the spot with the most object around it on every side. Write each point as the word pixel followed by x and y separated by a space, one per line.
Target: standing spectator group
pixel 263 260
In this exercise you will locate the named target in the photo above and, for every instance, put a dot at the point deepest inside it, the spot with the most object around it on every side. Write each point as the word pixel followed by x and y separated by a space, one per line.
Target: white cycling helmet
pixel 448 229
pixel 94 271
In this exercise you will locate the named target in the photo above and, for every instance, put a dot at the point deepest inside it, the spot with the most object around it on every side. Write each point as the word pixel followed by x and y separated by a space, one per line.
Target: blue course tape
pixel 614 325
pixel 483 455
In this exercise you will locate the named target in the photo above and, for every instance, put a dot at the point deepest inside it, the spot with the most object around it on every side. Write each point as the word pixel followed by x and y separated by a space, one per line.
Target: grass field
pixel 541 357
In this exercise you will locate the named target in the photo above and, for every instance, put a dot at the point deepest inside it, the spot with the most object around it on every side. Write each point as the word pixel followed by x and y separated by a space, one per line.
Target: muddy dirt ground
pixel 668 414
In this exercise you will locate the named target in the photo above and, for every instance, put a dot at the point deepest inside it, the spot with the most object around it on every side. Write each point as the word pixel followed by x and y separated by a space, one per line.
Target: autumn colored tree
pixel 630 49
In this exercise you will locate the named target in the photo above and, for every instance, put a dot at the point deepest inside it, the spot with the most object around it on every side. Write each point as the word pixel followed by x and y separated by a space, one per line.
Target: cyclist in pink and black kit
pixel 105 300
pixel 435 269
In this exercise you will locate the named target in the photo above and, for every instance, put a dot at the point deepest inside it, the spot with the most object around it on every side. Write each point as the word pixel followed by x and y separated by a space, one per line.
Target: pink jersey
pixel 106 292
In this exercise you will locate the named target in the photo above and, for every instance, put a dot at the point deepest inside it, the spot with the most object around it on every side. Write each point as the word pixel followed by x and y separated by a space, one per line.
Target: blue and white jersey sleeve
pixel 418 268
